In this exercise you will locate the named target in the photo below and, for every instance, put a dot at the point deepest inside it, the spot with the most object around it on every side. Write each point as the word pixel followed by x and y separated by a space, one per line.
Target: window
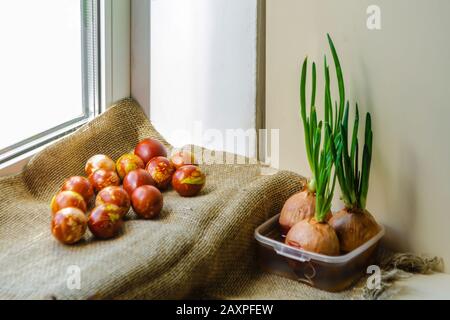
pixel 204 71
pixel 49 77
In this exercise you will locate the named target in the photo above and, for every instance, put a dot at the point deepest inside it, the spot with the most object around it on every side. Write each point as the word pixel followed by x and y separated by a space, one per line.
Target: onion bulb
pixel 313 236
pixel 298 207
pixel 353 228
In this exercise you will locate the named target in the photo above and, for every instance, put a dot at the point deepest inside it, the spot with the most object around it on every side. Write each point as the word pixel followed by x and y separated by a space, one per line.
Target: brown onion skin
pixel 69 225
pixel 314 236
pixel 135 179
pixel 105 221
pixel 299 206
pixel 79 185
pixel 150 148
pixel 101 179
pixel 128 162
pixel 353 228
pixel 147 201
pixel 99 161
pixel 65 199
pixel 188 181
pixel 114 195
pixel 161 171
pixel 182 158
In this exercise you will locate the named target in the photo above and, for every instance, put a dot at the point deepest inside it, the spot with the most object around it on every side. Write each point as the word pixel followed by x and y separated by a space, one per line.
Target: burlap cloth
pixel 200 247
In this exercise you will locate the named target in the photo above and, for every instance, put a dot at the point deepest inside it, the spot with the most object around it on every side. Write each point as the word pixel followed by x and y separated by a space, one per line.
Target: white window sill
pixel 16 165
pixel 424 287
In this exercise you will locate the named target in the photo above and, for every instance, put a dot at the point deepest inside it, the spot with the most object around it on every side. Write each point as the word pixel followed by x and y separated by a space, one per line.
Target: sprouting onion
pixel 354 225
pixel 319 154
pixel 333 119
pixel 353 181
pixel 316 234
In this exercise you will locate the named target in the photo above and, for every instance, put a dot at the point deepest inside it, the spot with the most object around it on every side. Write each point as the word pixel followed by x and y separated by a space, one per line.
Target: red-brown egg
pixel 161 171
pixel 188 180
pixel 147 201
pixel 105 221
pixel 182 158
pixel 99 161
pixel 149 148
pixel 135 179
pixel 69 225
pixel 128 162
pixel 114 195
pixel 79 185
pixel 65 199
pixel 101 179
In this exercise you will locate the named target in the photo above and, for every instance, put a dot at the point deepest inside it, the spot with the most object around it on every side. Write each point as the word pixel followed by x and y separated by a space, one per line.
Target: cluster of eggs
pixel 135 180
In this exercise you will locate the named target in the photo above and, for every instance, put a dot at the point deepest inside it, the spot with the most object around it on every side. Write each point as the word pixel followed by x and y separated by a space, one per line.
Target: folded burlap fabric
pixel 200 247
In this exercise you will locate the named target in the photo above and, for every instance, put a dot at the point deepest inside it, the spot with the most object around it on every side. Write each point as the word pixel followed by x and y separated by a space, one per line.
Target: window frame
pixel 90 35
pixel 112 79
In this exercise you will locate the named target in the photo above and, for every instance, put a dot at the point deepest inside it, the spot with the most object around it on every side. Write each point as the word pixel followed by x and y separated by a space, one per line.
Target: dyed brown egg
pixel 65 199
pixel 147 201
pixel 99 161
pixel 69 225
pixel 149 148
pixel 188 180
pixel 128 162
pixel 105 221
pixel 80 185
pixel 182 158
pixel 161 171
pixel 114 195
pixel 137 178
pixel 101 179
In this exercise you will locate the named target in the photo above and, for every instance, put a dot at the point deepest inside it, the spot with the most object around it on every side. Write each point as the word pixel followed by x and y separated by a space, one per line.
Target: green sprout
pixel 354 183
pixel 334 149
pixel 319 153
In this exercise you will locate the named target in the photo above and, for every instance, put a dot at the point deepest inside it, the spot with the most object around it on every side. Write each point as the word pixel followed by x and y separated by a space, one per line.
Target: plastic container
pixel 330 273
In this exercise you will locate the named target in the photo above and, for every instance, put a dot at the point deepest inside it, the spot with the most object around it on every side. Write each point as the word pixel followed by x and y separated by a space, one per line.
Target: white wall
pixel 140 53
pixel 401 74
pixel 115 50
pixel 203 68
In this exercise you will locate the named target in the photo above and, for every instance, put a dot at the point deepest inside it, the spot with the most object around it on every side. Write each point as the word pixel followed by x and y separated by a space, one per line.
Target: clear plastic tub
pixel 330 273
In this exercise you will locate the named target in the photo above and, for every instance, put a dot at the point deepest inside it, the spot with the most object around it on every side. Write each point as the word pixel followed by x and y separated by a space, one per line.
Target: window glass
pixel 40 67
